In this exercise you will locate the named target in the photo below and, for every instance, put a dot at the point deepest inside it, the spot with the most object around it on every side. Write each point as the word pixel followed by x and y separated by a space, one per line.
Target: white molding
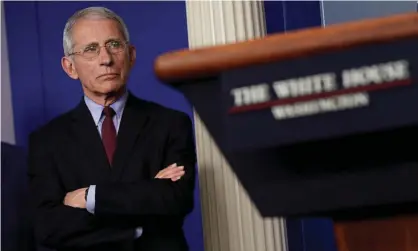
pixel 7 118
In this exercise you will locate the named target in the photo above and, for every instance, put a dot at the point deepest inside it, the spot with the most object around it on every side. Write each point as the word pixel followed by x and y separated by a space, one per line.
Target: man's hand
pixel 76 198
pixel 172 172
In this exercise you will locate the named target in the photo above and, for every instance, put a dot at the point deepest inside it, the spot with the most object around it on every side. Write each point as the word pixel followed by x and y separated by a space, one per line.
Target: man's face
pixel 104 73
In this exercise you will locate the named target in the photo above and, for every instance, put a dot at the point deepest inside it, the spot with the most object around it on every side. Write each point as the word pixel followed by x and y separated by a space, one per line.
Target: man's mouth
pixel 108 76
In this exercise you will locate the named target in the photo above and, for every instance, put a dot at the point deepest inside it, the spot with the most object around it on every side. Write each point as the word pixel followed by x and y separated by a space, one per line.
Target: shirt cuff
pixel 138 232
pixel 91 199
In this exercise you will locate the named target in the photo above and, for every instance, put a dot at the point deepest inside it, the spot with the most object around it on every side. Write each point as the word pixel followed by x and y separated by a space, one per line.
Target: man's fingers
pixel 171 173
pixel 165 170
pixel 161 173
pixel 75 198
pixel 176 178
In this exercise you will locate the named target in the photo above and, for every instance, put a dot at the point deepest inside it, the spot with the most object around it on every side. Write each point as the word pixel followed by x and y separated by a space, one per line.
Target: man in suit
pixel 116 172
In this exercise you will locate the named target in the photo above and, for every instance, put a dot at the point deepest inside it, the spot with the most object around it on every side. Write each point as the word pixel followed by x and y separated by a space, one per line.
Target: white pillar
pixel 7 123
pixel 230 220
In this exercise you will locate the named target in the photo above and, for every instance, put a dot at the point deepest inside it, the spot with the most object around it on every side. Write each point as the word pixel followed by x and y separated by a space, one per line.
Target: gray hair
pixel 90 12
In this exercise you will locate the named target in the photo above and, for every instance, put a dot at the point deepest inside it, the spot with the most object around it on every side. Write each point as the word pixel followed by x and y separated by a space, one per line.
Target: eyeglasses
pixel 93 50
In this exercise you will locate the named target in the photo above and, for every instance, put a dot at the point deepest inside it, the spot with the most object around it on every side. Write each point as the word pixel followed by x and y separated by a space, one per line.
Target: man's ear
pixel 132 56
pixel 68 66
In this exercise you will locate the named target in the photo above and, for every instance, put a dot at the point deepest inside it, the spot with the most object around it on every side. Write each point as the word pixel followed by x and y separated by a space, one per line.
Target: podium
pixel 318 122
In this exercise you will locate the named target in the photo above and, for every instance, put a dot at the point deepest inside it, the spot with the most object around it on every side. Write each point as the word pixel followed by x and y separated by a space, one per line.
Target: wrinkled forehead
pixel 95 30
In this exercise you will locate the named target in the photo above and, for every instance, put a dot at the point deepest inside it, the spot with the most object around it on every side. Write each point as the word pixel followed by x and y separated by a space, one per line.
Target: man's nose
pixel 105 57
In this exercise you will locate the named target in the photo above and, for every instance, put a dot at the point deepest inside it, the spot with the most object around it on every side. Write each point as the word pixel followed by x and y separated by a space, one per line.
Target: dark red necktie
pixel 109 133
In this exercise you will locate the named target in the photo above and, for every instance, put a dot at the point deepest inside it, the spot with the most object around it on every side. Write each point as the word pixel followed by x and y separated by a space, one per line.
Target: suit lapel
pixel 89 142
pixel 134 119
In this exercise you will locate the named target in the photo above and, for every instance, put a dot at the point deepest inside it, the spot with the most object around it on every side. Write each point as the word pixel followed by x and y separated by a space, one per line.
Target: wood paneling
pixel 389 234
pixel 196 63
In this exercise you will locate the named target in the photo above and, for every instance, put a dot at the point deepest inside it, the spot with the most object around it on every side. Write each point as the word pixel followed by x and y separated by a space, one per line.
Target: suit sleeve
pixel 57 225
pixel 157 197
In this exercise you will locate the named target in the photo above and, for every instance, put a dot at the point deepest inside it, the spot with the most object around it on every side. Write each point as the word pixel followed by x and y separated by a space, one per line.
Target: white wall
pixel 7 123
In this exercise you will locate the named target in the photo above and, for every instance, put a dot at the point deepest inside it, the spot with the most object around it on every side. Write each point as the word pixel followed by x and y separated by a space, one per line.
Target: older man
pixel 116 172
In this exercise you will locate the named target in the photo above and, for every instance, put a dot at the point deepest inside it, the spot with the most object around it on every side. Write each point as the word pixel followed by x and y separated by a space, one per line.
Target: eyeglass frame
pixel 81 52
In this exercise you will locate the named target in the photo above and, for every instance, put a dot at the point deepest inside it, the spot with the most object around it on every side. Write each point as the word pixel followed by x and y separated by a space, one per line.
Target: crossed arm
pixel 61 220
pixel 77 198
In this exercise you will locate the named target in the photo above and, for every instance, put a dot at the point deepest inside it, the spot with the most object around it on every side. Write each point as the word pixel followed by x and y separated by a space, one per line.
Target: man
pixel 116 172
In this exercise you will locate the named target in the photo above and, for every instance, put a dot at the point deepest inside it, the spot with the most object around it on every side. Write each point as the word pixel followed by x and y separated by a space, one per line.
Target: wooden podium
pixel 321 121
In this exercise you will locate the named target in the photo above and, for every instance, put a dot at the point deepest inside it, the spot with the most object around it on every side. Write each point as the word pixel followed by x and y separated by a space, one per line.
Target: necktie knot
pixel 109 112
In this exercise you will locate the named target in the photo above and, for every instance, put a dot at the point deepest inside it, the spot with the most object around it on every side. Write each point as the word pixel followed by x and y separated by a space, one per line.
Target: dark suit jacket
pixel 16 231
pixel 68 154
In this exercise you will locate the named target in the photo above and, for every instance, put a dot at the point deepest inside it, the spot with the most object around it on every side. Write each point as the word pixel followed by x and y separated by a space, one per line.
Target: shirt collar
pixel 96 109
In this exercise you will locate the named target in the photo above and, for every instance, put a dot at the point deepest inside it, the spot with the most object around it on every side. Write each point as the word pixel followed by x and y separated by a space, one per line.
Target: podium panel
pixel 358 90
pixel 316 122
pixel 326 162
